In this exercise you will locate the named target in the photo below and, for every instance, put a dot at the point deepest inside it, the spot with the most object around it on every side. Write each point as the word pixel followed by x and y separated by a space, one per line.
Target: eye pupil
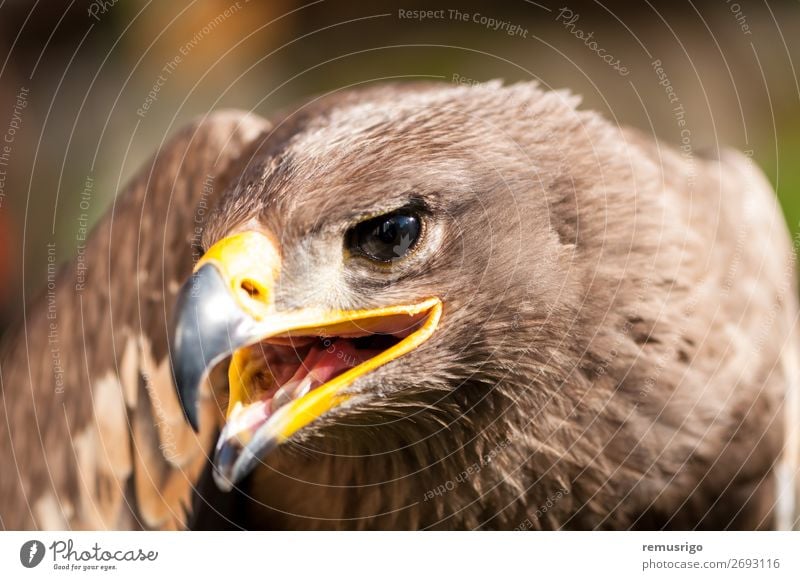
pixel 387 232
pixel 388 237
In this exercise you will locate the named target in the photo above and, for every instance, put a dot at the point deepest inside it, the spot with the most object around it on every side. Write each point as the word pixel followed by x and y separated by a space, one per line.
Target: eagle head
pixel 380 271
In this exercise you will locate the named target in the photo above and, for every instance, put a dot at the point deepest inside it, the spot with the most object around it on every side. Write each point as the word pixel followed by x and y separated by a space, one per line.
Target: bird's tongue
pixel 322 363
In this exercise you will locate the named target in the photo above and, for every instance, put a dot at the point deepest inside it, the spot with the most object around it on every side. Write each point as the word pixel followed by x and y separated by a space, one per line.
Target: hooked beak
pixel 287 368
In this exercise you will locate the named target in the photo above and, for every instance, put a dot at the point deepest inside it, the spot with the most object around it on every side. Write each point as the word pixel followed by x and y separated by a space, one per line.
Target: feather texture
pixel 618 348
pixel 110 450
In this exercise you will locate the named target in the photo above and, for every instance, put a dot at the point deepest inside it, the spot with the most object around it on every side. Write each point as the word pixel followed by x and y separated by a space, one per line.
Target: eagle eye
pixel 387 237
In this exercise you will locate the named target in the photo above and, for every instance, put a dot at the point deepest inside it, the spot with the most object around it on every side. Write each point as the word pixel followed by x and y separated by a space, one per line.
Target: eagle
pixel 415 306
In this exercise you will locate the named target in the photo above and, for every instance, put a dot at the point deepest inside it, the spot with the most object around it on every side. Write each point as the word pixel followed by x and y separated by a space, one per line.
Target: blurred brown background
pixel 88 90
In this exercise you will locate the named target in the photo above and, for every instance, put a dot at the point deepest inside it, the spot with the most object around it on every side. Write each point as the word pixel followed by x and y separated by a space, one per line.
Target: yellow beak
pixel 226 310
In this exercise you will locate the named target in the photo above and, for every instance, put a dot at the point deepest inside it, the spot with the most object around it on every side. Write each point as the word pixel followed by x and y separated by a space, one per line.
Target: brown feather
pixel 74 457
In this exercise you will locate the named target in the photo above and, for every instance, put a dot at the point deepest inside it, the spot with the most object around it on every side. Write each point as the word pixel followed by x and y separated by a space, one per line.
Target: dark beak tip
pixel 223 467
pixel 224 484
pixel 186 396
pixel 191 418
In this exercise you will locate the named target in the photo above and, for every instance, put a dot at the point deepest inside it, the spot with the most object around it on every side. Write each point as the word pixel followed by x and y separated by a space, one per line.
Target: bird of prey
pixel 415 306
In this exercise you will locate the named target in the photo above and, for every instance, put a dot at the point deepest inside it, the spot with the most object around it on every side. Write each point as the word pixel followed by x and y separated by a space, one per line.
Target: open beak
pixel 287 368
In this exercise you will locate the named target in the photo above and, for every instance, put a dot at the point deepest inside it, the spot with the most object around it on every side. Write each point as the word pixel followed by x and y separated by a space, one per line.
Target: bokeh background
pixel 88 90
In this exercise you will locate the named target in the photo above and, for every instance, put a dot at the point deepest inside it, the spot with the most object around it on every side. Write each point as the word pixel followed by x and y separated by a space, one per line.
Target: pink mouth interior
pixel 295 365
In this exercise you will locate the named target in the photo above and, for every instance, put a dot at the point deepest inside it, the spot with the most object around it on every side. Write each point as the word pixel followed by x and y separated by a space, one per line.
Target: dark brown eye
pixel 387 237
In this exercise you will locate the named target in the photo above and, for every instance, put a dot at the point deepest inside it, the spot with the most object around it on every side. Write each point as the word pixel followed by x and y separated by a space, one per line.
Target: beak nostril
pixel 252 294
pixel 252 289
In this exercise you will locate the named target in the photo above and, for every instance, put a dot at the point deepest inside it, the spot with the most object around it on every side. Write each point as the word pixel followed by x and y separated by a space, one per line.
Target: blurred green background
pixel 76 76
